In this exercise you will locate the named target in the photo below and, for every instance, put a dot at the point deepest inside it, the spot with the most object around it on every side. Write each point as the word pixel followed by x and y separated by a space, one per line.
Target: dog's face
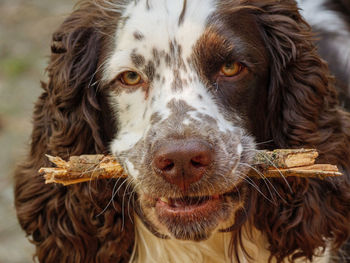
pixel 184 81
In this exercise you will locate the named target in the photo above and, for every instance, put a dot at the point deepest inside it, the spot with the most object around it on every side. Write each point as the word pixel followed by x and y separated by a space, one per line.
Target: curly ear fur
pixel 301 111
pixel 71 118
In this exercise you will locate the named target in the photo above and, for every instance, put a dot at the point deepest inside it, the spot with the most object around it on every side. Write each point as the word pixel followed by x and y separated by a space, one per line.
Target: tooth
pixel 164 199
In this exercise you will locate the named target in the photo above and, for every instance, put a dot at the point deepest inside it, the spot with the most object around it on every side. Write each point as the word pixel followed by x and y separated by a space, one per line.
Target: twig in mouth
pixel 286 162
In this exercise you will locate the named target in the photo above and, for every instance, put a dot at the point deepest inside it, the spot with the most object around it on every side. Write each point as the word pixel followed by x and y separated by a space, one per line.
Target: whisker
pixel 273 187
pixel 94 74
pixel 125 190
pixel 263 177
pixel 114 193
pixel 131 199
pixel 284 178
pixel 241 200
pixel 251 182
pixel 91 179
pixel 265 142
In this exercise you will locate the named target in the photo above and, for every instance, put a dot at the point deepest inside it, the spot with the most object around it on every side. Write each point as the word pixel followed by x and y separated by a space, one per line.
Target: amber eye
pixel 130 78
pixel 231 69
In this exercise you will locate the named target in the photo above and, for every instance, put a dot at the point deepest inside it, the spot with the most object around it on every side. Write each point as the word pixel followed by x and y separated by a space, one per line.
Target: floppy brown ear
pixel 302 111
pixel 71 118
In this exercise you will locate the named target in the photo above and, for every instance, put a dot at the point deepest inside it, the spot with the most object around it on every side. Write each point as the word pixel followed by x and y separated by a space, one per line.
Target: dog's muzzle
pixel 183 162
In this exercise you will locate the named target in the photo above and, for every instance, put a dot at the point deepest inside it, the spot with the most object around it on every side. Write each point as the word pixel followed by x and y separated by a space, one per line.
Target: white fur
pixel 151 249
pixel 239 149
pixel 159 25
pixel 127 121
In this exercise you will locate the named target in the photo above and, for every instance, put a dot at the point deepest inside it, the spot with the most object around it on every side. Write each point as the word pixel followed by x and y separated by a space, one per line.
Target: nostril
pixel 196 164
pixel 169 167
pixel 165 164
pixel 201 160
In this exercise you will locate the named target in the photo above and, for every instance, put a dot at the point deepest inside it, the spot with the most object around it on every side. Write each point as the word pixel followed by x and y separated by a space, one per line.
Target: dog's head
pixel 184 79
pixel 194 88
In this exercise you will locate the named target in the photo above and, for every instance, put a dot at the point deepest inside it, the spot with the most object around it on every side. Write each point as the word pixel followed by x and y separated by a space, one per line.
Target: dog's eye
pixel 130 78
pixel 231 69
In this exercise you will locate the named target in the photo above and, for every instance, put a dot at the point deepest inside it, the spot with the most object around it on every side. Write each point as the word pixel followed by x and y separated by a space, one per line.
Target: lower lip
pixel 203 209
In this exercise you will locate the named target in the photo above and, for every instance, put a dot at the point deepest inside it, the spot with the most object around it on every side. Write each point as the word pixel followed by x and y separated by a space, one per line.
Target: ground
pixel 25 33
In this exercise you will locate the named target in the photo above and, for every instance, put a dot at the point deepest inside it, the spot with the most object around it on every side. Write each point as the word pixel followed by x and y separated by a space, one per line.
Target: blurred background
pixel 25 35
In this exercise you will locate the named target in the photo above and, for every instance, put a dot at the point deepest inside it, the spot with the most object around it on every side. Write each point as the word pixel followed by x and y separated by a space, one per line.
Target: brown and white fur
pixel 151 249
pixel 186 133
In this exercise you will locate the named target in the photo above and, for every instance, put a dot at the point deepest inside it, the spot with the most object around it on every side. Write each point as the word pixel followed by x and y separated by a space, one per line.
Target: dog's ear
pixel 302 106
pixel 80 223
pixel 79 116
pixel 301 89
pixel 301 111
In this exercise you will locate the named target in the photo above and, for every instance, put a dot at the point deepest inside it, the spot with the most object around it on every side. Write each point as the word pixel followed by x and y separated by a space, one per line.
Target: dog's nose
pixel 183 162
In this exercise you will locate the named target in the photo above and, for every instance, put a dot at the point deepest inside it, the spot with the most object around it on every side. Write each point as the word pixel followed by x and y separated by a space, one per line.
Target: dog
pixel 184 93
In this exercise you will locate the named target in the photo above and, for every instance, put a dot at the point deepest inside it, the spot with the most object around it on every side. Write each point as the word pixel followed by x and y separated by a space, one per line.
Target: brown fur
pixel 71 117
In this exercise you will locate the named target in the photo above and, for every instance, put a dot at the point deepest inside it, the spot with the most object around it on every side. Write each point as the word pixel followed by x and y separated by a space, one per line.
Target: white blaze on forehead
pixel 159 25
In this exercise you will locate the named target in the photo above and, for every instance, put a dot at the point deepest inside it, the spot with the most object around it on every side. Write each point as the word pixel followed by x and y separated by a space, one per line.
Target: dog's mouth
pixel 187 205
pixel 191 217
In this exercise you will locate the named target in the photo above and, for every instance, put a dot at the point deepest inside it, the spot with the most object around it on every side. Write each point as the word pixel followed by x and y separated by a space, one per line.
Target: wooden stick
pixel 320 171
pixel 81 169
pixel 285 158
pixel 290 162
pixel 266 164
